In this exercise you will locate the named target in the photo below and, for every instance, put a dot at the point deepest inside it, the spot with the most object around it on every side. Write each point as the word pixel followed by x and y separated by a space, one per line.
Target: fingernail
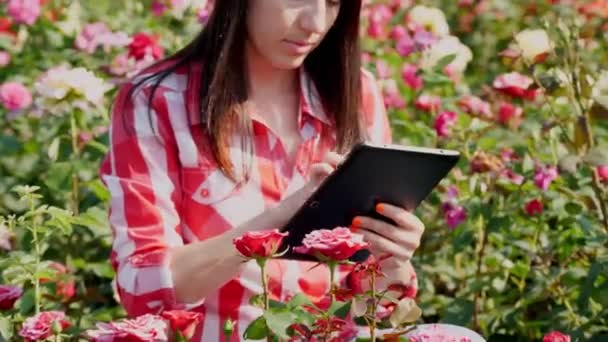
pixel 380 208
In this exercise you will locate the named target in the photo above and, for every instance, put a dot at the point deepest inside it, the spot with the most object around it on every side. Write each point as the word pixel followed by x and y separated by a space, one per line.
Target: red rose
pixel 534 207
pixel 8 296
pixel 516 85
pixel 259 244
pixel 146 328
pixel 602 172
pixel 144 45
pixel 183 321
pixel 337 244
pixel 65 286
pixel 40 327
pixel 556 336
pixel 509 114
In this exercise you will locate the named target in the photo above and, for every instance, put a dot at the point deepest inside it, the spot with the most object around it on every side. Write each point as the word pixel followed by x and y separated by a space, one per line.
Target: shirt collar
pixel 310 103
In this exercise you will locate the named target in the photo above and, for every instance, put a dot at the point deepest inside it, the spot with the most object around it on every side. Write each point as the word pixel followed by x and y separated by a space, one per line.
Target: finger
pixel 406 238
pixel 333 158
pixel 381 246
pixel 320 171
pixel 401 217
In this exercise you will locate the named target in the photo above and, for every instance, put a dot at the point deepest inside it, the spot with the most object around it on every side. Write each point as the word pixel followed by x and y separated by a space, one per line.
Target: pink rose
pixel 475 106
pixel 183 321
pixel 544 176
pixel 40 327
pixel 516 85
pixel 383 70
pixel 435 332
pixel 512 176
pixel 534 207
pixel 146 328
pixel 428 102
pixel 602 172
pixel 24 11
pixel 5 58
pixel 398 32
pixel 5 238
pixel 144 45
pixel 14 96
pixel 95 34
pixel 8 296
pixel 336 244
pixel 444 123
pixel 409 73
pixel 405 45
pixel 391 94
pixel 259 244
pixel 453 214
pixel 556 336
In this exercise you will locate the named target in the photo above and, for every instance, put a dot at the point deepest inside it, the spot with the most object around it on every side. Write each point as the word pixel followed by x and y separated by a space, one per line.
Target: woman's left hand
pixel 399 241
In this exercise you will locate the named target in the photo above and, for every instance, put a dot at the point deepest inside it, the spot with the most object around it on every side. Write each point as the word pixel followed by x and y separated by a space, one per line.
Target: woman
pixel 232 134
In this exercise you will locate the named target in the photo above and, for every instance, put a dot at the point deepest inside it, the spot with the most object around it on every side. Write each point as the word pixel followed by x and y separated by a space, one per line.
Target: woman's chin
pixel 288 62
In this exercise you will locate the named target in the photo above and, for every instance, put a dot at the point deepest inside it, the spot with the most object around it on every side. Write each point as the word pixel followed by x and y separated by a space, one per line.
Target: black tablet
pixel 395 174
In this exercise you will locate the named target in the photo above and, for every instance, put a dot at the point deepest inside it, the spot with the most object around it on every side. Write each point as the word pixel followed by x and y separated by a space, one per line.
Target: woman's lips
pixel 297 47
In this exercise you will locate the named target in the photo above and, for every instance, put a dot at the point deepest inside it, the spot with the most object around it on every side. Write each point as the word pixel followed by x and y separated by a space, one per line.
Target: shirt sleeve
pixel 141 172
pixel 378 130
pixel 375 118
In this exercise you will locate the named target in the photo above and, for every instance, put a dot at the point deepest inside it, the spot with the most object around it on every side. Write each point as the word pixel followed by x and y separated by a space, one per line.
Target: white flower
pixel 71 24
pixel 600 90
pixel 431 19
pixel 78 85
pixel 533 44
pixel 447 46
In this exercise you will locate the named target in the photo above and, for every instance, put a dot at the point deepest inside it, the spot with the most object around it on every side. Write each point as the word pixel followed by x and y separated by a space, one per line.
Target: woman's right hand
pixel 281 214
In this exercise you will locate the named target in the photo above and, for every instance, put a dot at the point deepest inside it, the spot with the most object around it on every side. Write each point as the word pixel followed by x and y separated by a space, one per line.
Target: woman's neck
pixel 267 81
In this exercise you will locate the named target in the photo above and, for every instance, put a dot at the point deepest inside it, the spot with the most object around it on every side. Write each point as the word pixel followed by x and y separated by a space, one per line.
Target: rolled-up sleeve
pixel 141 172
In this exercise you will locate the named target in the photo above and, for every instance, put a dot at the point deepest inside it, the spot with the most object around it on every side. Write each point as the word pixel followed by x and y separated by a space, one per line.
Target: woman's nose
pixel 314 17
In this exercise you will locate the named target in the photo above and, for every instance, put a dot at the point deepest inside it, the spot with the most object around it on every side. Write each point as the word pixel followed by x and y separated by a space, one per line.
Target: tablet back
pixel 399 175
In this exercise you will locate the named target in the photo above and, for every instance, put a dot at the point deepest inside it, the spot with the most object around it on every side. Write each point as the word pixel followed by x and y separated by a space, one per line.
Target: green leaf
pixel 279 320
pixel 27 302
pixel 459 312
pixel 59 176
pixel 276 304
pixel 597 156
pixel 569 163
pixel 340 309
pixel 53 151
pixel 299 299
pixel 587 288
pixel 444 61
pixel 257 329
pixel 6 329
pixel 573 208
pixel 257 300
pixel 497 223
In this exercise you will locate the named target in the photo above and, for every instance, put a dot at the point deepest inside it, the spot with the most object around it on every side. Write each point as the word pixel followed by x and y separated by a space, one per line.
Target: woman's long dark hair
pixel 334 68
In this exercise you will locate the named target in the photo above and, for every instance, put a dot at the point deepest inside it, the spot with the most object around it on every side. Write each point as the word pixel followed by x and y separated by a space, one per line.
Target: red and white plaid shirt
pixel 168 192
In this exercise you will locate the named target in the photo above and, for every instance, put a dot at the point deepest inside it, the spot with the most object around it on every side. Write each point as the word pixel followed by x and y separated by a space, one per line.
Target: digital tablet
pixel 395 174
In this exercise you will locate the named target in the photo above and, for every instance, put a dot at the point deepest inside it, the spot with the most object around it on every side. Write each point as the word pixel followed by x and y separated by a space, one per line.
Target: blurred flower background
pixel 517 237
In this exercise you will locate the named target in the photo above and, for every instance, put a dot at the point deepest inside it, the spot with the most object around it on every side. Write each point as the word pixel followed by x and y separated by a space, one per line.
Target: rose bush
pixel 516 241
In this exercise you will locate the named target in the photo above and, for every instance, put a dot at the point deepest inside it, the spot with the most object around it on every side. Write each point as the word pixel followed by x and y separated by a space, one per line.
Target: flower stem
pixel 36 260
pixel 332 274
pixel 75 156
pixel 262 263
pixel 372 326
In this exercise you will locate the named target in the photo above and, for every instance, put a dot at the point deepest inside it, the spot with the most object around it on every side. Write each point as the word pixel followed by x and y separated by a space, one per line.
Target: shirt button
pixel 205 193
